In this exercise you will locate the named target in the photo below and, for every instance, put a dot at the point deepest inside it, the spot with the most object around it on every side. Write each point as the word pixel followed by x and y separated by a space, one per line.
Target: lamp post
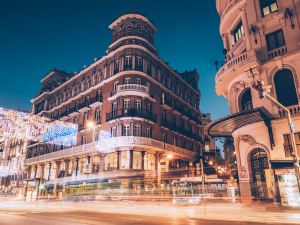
pixel 92 125
pixel 264 93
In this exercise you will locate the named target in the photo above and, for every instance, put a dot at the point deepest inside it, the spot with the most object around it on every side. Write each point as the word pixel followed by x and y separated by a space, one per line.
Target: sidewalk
pixel 258 212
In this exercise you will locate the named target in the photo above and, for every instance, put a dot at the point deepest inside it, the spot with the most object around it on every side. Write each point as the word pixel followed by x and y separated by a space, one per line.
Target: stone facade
pixel 149 111
pixel 261 42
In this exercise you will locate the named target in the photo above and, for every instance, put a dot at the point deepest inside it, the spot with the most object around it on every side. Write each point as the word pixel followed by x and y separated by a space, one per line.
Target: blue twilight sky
pixel 37 35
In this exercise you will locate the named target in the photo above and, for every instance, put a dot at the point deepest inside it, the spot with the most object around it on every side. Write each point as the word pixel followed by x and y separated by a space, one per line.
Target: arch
pixel 285 88
pixel 245 100
pixel 258 163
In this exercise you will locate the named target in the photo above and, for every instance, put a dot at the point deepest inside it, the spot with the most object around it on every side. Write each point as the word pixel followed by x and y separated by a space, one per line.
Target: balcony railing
pixel 294 110
pixel 131 112
pixel 87 148
pixel 179 129
pixel 277 52
pixel 111 143
pixel 133 87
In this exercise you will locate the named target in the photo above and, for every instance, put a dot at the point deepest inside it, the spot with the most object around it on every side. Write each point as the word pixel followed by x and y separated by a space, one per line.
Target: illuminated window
pixel 137 160
pixel 238 32
pixel 125 158
pixel 111 161
pixel 268 6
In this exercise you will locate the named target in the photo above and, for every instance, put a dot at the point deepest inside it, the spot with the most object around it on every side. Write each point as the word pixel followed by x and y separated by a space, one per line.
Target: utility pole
pixel 264 92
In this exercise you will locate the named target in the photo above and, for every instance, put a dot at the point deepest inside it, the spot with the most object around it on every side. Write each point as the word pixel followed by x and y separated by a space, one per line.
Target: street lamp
pixel 170 156
pixel 91 125
pixel 264 92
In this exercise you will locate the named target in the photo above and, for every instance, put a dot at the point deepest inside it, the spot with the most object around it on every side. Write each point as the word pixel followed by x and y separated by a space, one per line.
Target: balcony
pixel 83 107
pixel 73 111
pixel 110 144
pixel 131 112
pixel 231 5
pixel 237 65
pixel 180 130
pixel 294 110
pixel 277 52
pixel 166 103
pixel 131 90
pixel 69 152
pixel 96 102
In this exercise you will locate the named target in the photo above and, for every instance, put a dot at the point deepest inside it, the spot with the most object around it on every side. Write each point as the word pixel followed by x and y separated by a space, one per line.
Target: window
pixel 127 80
pixel 116 67
pixel 138 63
pixel 114 132
pixel 138 105
pixel 85 118
pixel 83 140
pixel 115 85
pixel 268 6
pixel 97 116
pixel 138 81
pixel 126 103
pixel 238 32
pixel 137 130
pixel 163 99
pixel 125 158
pixel 137 160
pixel 275 40
pixel 149 132
pixel 246 100
pixel 149 69
pixel 111 161
pixel 128 62
pixel 126 130
pixel 287 144
pixel 285 88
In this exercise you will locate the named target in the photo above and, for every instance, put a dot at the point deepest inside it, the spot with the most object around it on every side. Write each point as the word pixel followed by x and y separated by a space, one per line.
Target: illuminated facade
pixel 261 42
pixel 145 115
pixel 12 165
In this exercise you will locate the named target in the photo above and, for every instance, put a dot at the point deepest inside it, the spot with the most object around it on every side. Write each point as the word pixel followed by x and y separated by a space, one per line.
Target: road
pixel 93 218
pixel 140 213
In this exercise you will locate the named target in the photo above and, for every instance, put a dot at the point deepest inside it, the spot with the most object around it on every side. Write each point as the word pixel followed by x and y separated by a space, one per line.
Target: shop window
pixel 268 6
pixel 137 160
pixel 238 32
pixel 125 158
pixel 275 40
pixel 111 161
pixel 285 88
pixel 246 100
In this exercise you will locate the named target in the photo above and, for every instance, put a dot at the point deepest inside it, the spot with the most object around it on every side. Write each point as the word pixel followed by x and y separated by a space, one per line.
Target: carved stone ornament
pixel 237 86
pixel 244 172
pixel 248 139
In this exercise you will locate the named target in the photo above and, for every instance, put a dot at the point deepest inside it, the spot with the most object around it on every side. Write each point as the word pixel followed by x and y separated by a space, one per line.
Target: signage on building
pixel 288 188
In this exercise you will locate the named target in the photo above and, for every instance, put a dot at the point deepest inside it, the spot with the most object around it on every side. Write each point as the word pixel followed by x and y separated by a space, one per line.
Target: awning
pixel 282 164
pixel 225 126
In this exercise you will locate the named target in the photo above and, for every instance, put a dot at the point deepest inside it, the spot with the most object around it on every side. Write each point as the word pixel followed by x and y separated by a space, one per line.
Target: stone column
pixel 131 159
pixel 246 28
pixel 49 174
pixel 143 161
pixel 225 42
pixel 118 159
pixel 77 166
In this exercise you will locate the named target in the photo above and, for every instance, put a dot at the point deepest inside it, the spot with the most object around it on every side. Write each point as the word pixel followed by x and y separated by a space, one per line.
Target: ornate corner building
pixel 147 120
pixel 261 42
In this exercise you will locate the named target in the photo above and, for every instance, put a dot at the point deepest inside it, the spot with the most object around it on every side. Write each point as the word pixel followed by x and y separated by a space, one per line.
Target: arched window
pixel 246 100
pixel 285 87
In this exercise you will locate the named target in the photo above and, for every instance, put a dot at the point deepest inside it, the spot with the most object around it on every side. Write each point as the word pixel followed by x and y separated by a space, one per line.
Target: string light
pixel 20 125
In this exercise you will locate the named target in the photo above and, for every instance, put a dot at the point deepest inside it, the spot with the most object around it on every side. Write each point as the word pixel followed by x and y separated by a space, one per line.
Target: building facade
pixel 145 116
pixel 12 166
pixel 261 42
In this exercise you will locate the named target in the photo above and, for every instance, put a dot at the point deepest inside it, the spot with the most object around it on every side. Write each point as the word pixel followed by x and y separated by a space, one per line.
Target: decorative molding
pixel 248 139
pixel 244 172
pixel 238 85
